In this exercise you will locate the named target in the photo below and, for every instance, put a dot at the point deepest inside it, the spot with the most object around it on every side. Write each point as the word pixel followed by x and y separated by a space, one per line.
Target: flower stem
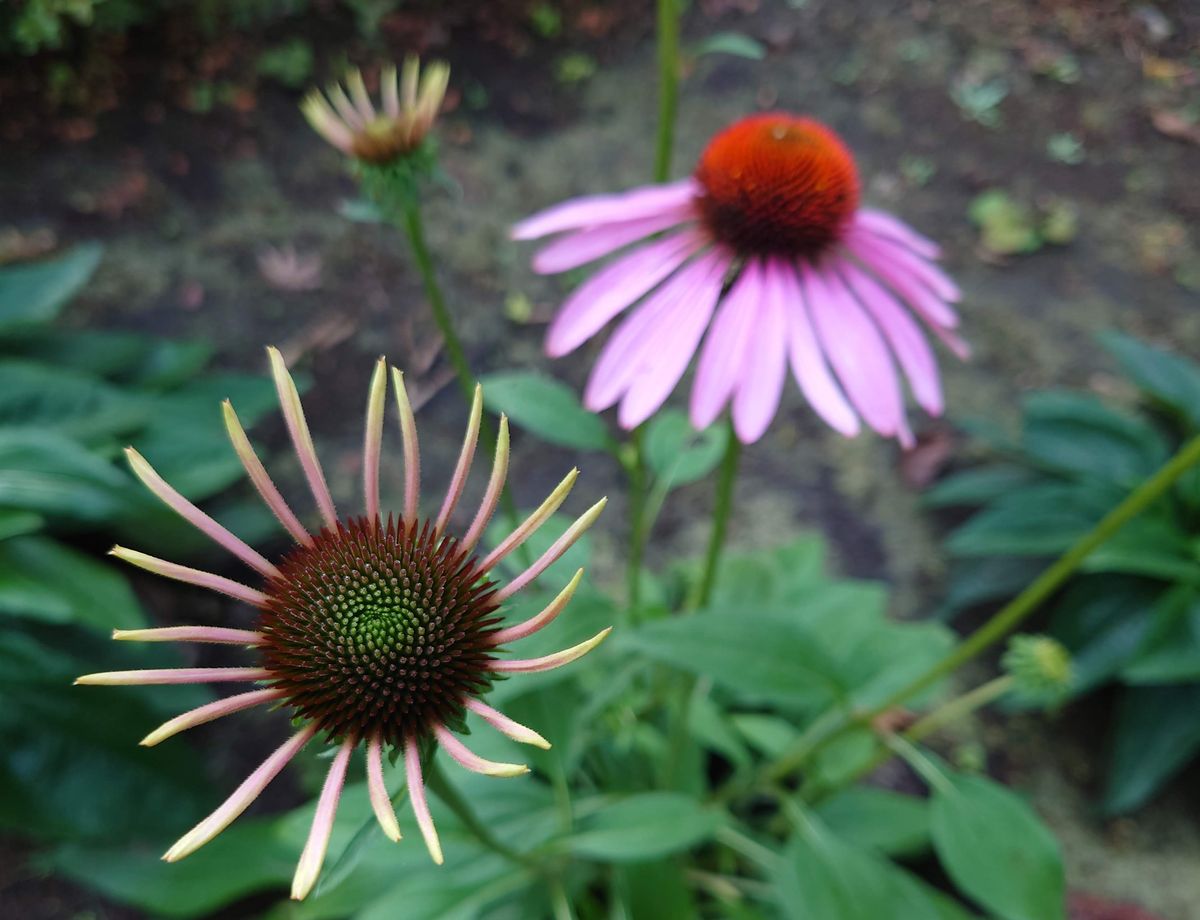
pixel 668 85
pixel 1015 611
pixel 635 467
pixel 726 479
pixel 440 786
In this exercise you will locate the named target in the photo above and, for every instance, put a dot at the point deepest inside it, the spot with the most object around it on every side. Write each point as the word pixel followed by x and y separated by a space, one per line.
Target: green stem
pixel 726 479
pixel 636 469
pixel 437 783
pixel 1019 608
pixel 668 85
pixel 560 902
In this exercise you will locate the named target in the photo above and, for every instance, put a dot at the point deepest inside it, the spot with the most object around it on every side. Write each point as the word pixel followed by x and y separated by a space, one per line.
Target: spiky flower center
pixel 379 628
pixel 777 184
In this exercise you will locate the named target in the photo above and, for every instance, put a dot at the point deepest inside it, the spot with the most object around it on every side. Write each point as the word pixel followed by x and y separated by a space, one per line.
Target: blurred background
pixel 166 212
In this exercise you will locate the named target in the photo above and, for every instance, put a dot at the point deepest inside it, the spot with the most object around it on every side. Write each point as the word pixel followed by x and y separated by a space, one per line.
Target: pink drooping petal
pixel 416 794
pixel 904 336
pixel 326 122
pixel 373 439
pixel 463 467
pixel 381 802
pixel 531 524
pixel 808 363
pixel 763 372
pixel 908 261
pixel 505 725
pixel 263 483
pixel 931 308
pixel 645 201
pixel 620 360
pixel 173 676
pixel 360 96
pixel 669 349
pixel 467 758
pixel 412 450
pixel 856 351
pixel 194 516
pixel 549 662
pixel 723 356
pixel 593 243
pixel 554 553
pixel 345 107
pixel 218 634
pixel 614 287
pixel 293 415
pixel 495 486
pixel 210 711
pixel 226 586
pixel 539 620
pixel 884 224
pixel 242 797
pixel 317 845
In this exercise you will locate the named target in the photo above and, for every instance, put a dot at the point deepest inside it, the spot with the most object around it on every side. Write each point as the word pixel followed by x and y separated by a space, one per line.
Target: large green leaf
pixel 52 475
pixel 1168 377
pixel 656 889
pixel 677 454
pixel 35 292
pixel 979 486
pixel 1041 520
pixel 996 849
pixel 546 407
pixel 128 358
pixel 38 397
pixel 1155 735
pixel 642 827
pixel 1170 651
pixel 1103 620
pixel 891 822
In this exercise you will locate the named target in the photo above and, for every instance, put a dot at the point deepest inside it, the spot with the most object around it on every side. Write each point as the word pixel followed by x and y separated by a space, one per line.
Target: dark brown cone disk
pixel 379 628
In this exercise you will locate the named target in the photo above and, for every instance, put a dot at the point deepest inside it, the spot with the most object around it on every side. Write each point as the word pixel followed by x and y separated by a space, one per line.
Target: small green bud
pixel 1040 667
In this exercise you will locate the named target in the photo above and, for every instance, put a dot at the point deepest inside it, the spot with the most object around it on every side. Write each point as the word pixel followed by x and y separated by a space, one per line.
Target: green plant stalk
pixel 437 783
pixel 726 479
pixel 668 86
pixel 636 470
pixel 1015 611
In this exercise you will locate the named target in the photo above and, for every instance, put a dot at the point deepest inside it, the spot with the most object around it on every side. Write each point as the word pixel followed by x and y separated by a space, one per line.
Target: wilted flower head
pixel 409 101
pixel 766 248
pixel 375 631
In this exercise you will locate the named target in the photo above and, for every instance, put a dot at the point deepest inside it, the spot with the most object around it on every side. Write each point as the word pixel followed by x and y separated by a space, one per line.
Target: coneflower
pixel 374 631
pixel 766 249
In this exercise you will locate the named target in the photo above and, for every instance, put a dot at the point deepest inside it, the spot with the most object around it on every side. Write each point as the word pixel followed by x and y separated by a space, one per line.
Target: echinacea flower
pixel 766 248
pixel 409 102
pixel 374 631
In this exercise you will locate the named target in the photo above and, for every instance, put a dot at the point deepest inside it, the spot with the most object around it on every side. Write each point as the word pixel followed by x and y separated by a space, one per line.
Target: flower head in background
pixel 348 119
pixel 374 631
pixel 767 250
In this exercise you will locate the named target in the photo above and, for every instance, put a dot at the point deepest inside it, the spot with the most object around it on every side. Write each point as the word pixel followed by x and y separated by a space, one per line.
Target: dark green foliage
pixel 1133 617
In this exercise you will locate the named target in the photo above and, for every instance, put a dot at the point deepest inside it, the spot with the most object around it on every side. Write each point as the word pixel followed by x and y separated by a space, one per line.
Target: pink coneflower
pixel 767 249
pixel 374 631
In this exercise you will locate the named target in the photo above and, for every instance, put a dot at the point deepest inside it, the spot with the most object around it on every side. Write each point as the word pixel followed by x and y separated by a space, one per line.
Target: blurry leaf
pixel 360 211
pixel 1102 620
pixel 1007 227
pixel 545 407
pixel 52 475
pixel 1170 651
pixel 893 823
pixel 978 486
pixel 15 523
pixel 734 43
pixel 678 454
pixel 642 827
pixel 986 579
pixel 35 292
pixel 767 734
pixel 1168 377
pixel 44 580
pixel 1038 521
pixel 656 889
pixel 37 397
pixel 1155 735
pixel 996 849
pixel 122 357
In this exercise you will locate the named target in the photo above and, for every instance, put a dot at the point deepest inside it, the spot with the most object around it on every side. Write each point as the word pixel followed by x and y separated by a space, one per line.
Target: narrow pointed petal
pixel 531 524
pixel 472 761
pixel 317 845
pixel 226 586
pixel 723 357
pixel 591 243
pixel 412 450
pixel 764 372
pixel 645 201
pixel 345 107
pixel 540 620
pixel 884 224
pixel 194 516
pixel 550 556
pixel 494 487
pixel 505 725
pixel 409 76
pixel 359 95
pixel 905 260
pixel 389 92
pixel 463 467
pixel 258 475
pixel 381 802
pixel 243 796
pixel 432 93
pixel 173 676
pixel 420 807
pixel 293 414
pixel 928 305
pixel 217 634
pixel 210 711
pixel 549 662
pixel 373 439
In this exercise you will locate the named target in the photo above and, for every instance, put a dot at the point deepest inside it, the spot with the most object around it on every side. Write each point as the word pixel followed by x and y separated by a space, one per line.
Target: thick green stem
pixel 437 783
pixel 726 479
pixel 636 469
pixel 1017 610
pixel 668 85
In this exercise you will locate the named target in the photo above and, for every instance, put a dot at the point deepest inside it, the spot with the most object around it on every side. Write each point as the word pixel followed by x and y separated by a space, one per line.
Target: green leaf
pixel 1168 377
pixel 879 819
pixel 734 43
pixel 656 889
pixel 50 474
pixel 1102 619
pixel 1156 734
pixel 545 407
pixel 43 580
pixel 37 397
pixel 642 827
pixel 1042 520
pixel 36 292
pixel 677 454
pixel 996 849
pixel 120 357
pixel 979 486
pixel 1170 652
pixel 16 523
